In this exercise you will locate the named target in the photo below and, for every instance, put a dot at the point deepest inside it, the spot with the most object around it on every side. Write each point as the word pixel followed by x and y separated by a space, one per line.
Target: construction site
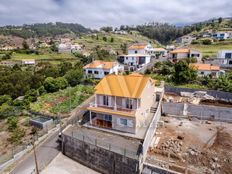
pixel 194 134
pixel 192 146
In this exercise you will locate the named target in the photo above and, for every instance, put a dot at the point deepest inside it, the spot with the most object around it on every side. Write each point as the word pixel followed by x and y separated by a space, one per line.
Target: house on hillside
pixel 183 53
pixel 123 102
pixel 159 51
pixel 208 69
pixel 187 39
pixel 140 48
pixel 28 62
pixel 139 54
pixel 220 35
pixel 99 69
pixel 133 62
pixel 69 48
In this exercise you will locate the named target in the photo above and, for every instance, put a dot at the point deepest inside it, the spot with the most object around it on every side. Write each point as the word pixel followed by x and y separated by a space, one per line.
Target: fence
pixel 17 149
pixel 151 130
pixel 105 145
pixel 219 95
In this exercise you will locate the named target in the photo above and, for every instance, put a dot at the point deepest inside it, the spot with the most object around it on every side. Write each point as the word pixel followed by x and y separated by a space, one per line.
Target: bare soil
pixel 202 147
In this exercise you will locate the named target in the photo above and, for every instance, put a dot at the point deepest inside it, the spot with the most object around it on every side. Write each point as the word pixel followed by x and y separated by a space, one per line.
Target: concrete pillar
pixel 115 103
pixel 90 117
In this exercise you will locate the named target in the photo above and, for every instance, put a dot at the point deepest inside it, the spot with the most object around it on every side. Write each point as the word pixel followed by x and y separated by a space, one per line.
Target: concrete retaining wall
pixel 219 95
pixel 151 169
pixel 97 158
pixel 204 112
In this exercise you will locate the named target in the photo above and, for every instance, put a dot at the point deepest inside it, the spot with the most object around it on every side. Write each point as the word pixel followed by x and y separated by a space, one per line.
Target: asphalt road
pixel 49 149
pixel 46 152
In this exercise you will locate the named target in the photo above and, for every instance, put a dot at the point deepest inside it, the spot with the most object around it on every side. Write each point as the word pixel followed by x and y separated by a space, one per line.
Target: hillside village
pixel 117 101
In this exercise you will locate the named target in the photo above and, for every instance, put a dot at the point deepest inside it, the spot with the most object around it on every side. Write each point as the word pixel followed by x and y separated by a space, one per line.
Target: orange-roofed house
pixel 122 102
pixel 138 55
pixel 208 69
pixel 183 53
pixel 99 69
pixel 140 48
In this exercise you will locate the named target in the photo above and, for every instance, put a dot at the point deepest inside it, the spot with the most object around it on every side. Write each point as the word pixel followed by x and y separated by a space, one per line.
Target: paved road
pixel 46 152
pixel 49 149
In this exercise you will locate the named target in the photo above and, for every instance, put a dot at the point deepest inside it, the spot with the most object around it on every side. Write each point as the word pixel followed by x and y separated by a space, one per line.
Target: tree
pixel 220 20
pixel 6 56
pixel 207 42
pixel 61 82
pixel 183 73
pixel 74 76
pixel 112 39
pixel 106 29
pixel 25 45
pixel 50 84
pixel 12 123
pixel 64 67
pixel 31 95
pixel 104 38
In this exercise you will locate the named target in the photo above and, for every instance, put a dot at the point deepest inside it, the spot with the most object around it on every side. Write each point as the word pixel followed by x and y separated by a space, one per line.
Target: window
pixel 230 62
pixel 105 100
pixel 90 71
pixel 96 72
pixel 106 73
pixel 136 51
pixel 108 118
pixel 129 103
pixel 228 55
pixel 202 73
pixel 123 121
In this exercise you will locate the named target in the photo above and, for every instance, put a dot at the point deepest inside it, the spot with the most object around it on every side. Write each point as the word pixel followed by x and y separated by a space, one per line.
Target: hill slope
pixel 43 30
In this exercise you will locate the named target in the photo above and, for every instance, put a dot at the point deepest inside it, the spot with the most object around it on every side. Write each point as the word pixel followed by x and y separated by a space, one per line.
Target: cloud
pixel 97 13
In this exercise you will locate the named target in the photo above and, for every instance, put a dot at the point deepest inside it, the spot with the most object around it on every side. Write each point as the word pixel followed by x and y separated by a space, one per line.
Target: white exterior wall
pixel 222 53
pixel 146 100
pixel 130 127
pixel 128 59
pixel 101 71
pixel 140 51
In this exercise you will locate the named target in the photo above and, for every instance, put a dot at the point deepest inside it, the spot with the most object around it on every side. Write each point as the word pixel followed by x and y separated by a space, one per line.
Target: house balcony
pixel 115 110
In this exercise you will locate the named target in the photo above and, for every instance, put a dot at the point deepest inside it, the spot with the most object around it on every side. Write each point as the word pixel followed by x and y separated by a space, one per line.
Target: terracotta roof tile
pixel 206 67
pixel 101 64
pixel 123 86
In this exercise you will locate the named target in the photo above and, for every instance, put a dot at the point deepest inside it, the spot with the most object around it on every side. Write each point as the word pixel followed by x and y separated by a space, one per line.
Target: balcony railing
pixel 113 107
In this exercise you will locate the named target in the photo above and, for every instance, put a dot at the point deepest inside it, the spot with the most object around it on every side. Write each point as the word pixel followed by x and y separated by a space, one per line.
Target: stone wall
pixel 204 112
pixel 97 158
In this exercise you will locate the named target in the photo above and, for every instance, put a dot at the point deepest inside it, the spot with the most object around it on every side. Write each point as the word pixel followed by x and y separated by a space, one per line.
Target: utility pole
pixel 36 162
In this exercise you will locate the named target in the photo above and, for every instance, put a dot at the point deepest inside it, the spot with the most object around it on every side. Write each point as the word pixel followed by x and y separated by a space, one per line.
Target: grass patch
pixel 62 101
pixel 19 56
pixel 212 50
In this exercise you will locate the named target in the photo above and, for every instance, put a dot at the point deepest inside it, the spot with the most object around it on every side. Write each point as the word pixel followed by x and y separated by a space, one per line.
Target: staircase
pixel 153 110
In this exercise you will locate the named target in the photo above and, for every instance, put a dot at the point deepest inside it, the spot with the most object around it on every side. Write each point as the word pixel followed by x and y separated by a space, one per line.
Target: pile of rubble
pixel 173 146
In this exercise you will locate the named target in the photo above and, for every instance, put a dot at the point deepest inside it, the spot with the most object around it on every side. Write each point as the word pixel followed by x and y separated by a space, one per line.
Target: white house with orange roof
pixel 183 53
pixel 208 69
pixel 123 102
pixel 99 69
pixel 138 55
pixel 140 48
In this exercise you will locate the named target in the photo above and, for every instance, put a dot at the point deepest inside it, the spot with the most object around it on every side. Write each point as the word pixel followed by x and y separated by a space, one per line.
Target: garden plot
pixel 63 101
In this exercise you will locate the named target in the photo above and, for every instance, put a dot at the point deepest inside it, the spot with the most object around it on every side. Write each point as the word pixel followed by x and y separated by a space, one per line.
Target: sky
pixel 98 13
